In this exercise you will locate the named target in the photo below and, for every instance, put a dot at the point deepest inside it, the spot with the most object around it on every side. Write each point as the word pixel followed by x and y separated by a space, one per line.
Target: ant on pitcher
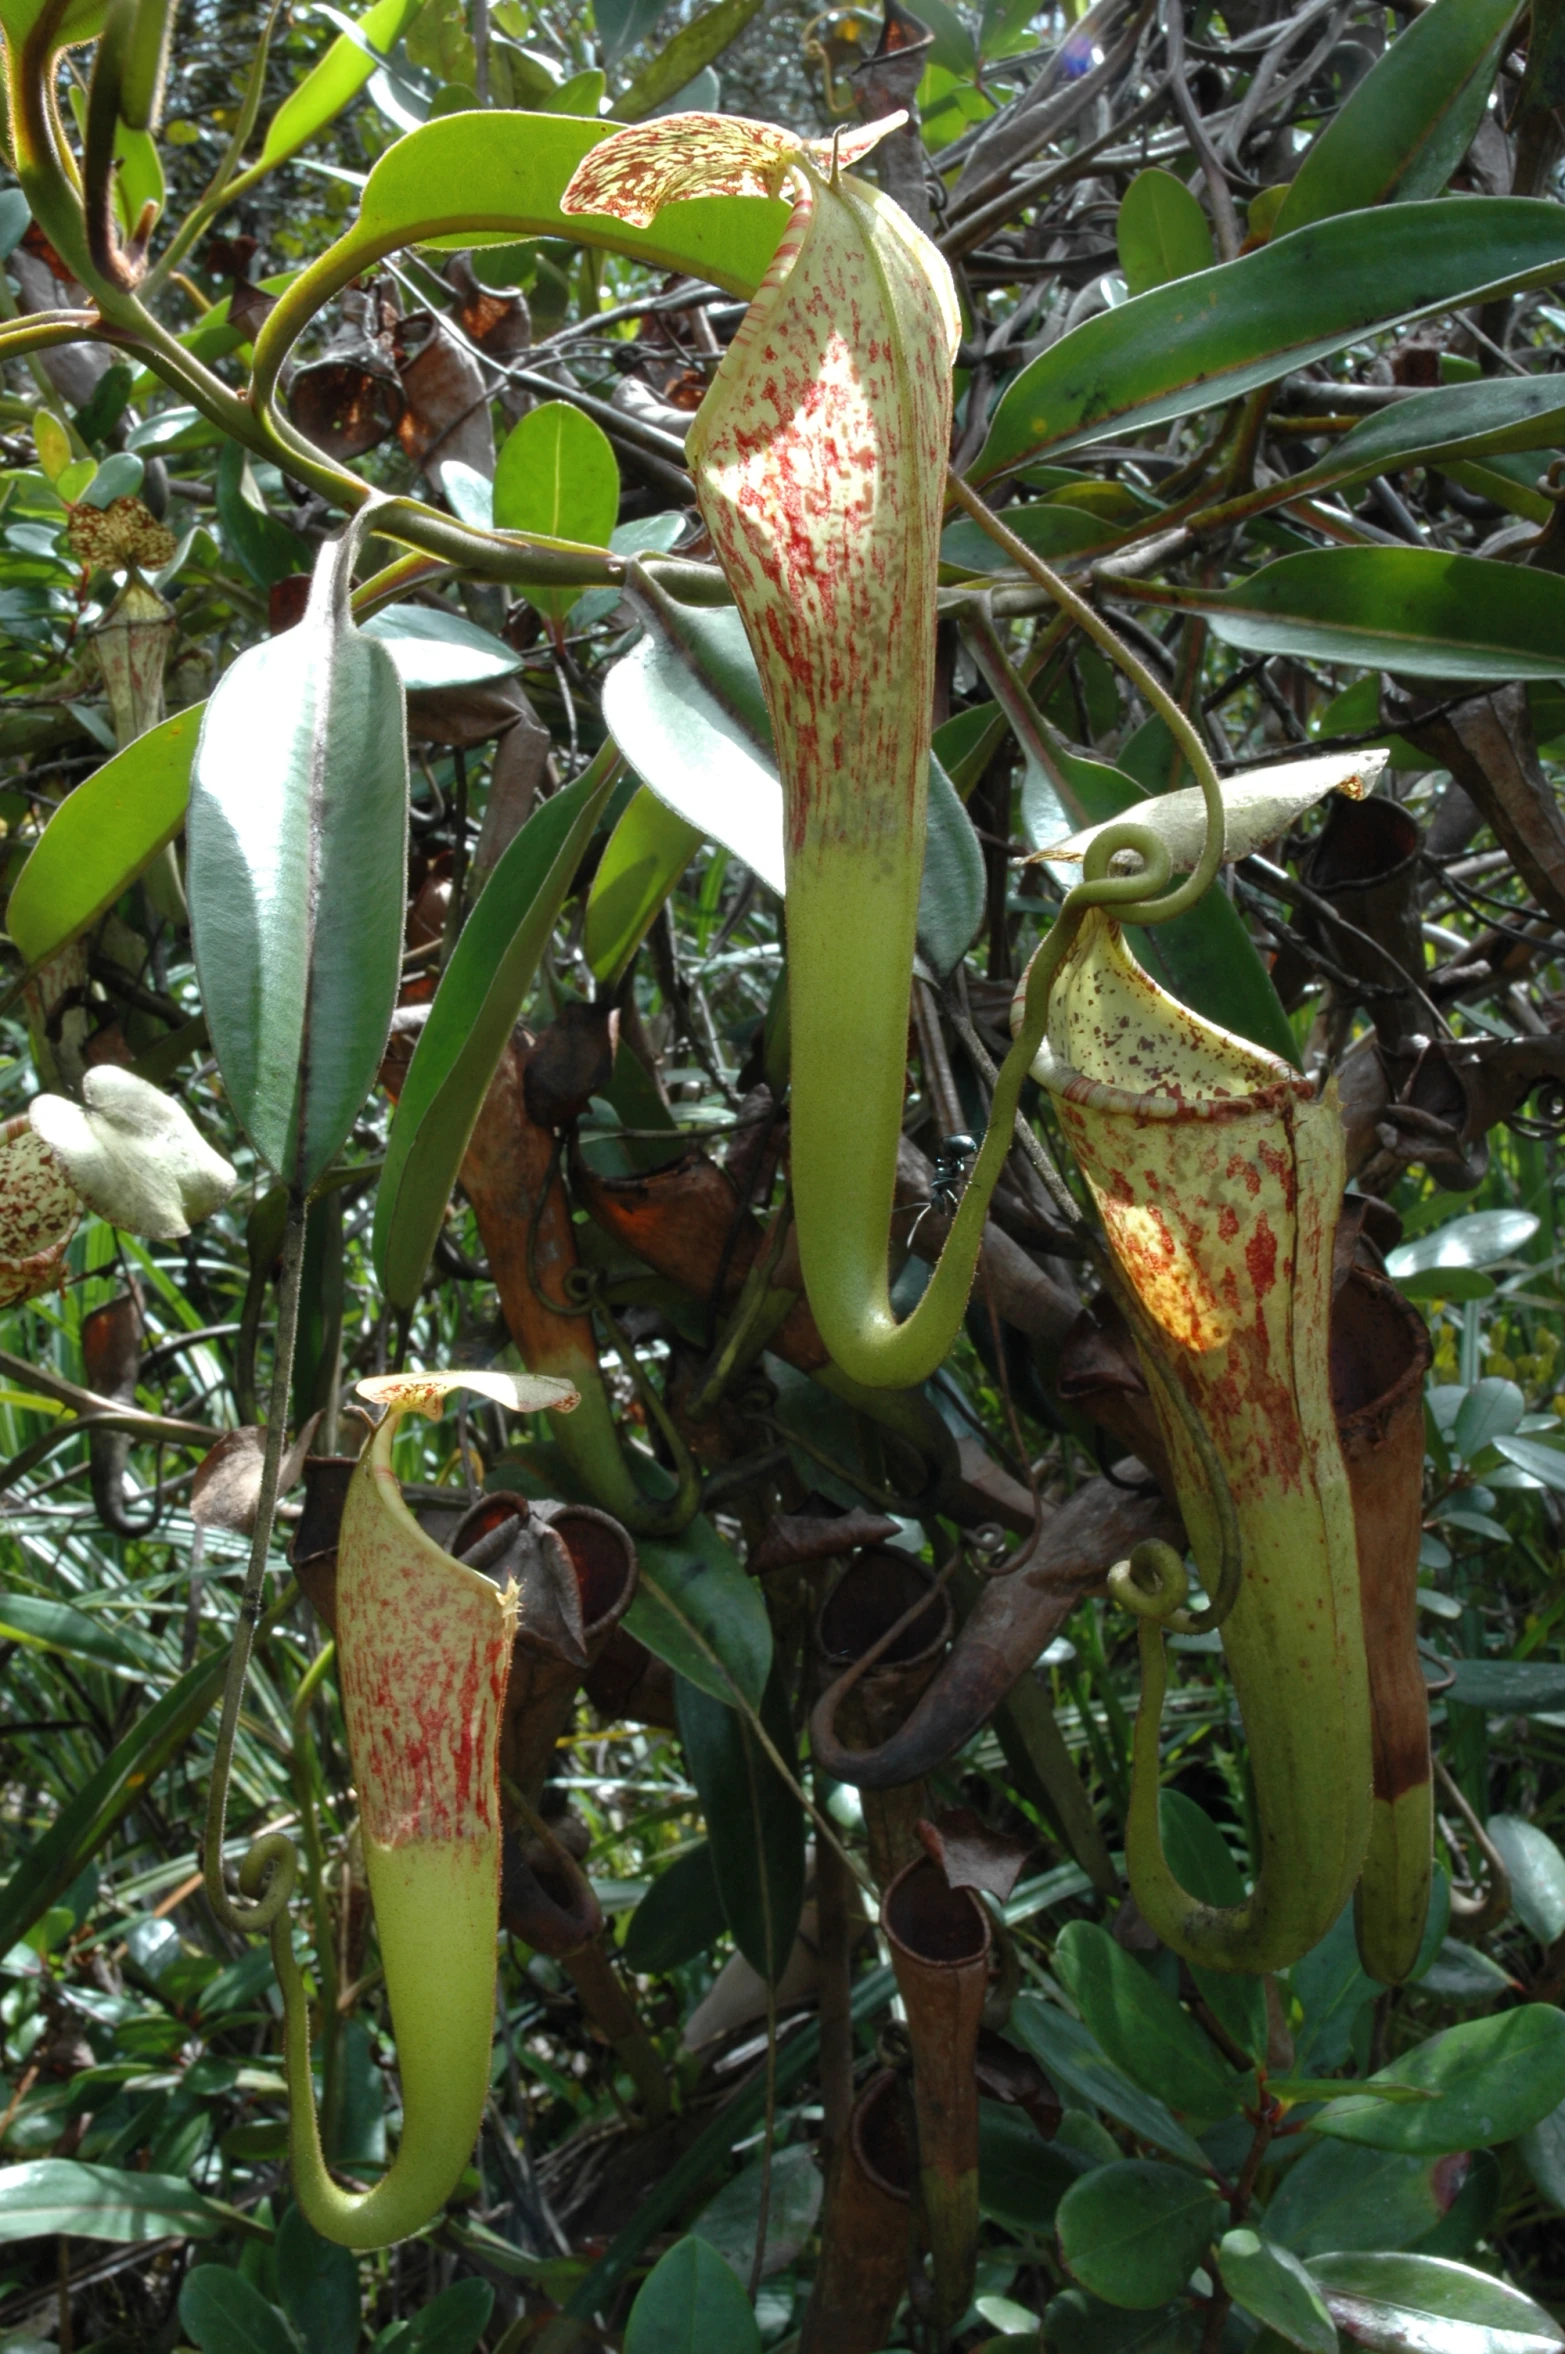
pixel 954 1157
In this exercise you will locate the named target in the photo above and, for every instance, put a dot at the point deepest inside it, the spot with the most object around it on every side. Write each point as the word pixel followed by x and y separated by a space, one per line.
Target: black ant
pixel 954 1156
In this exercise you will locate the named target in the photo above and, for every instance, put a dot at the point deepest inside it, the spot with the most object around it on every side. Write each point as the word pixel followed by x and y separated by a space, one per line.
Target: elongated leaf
pixel 474 179
pixel 225 2314
pixel 453 2322
pixel 50 2195
pixel 557 475
pixel 1494 2077
pixel 1391 2303
pixel 731 2223
pixel 1202 1861
pixel 318 2283
pixel 433 647
pixel 476 1007
pixel 1134 2233
pixel 678 1917
pixel 1141 2027
pixel 1162 233
pixel 951 889
pixel 698 1610
pixel 102 837
pixel 1408 609
pixel 297 876
pixel 339 77
pixel 80 1634
pixel 1496 414
pixel 754 1822
pixel 1207 338
pixel 1270 2282
pixel 1537 1457
pixel 1535 1869
pixel 1483 1239
pixel 1070 2054
pixel 1509 1687
pixel 647 853
pixel 1256 808
pixel 689 716
pixel 1409 122
pixel 691 2303
pixel 85 1821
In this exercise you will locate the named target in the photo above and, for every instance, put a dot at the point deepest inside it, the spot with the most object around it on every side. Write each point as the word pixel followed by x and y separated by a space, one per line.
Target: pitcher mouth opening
pixel 1063 1080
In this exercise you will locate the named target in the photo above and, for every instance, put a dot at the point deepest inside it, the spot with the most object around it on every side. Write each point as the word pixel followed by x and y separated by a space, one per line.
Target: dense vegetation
pixel 1318 501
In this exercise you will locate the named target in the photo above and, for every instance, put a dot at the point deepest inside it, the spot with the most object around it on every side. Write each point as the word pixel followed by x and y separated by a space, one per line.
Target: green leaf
pixel 1202 1861
pixel 475 1009
pixel 696 1608
pixel 689 54
pixel 557 475
pixel 1535 1868
pixel 1391 2302
pixel 1536 1457
pixel 731 2222
pixel 1542 2151
pixel 1509 1687
pixel 690 2303
pixel 1208 338
pixel 264 546
pixel 952 889
pixel 1162 233
pixel 1332 1988
pixel 1415 610
pixel 1495 2077
pixel 645 856
pixel 476 179
pixel 435 648
pixel 453 2322
pixel 1075 2323
pixel 1134 2233
pixel 754 1822
pixel 102 836
pixel 79 1634
pixel 679 1916
pixel 224 2314
pixel 1406 126
pixel 318 2286
pixel 1070 2054
pixel 1141 2027
pixel 339 77
pixel 1270 2282
pixel 50 2195
pixel 685 707
pixel 297 876
pixel 1021 2177
pixel 1336 2196
pixel 1050 530
pixel 82 1825
pixel 1490 1411
pixel 1458 420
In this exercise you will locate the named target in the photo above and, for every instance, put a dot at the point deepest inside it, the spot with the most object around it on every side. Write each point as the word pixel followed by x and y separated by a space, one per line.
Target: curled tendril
pixel 266 1881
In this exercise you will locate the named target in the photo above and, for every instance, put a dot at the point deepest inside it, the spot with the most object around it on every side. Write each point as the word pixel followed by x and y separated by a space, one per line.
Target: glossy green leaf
pixel 45 2196
pixel 1542 2151
pixel 79 1830
pixel 477 179
pixel 102 836
pixel 691 2303
pixel 1162 233
pixel 684 59
pixel 1391 2303
pixel 702 1614
pixel 646 854
pixel 1070 2054
pixel 754 1822
pixel 1406 126
pixel 1202 1861
pixel 260 541
pixel 1509 1687
pixel 1491 1410
pixel 1141 2027
pixel 318 2287
pixel 335 80
pixel 78 1634
pixel 1535 1868
pixel 790 2188
pixel 1134 2233
pixel 1481 1239
pixel 557 475
pixel 1494 2077
pixel 1332 1988
pixel 1051 532
pixel 1415 610
pixel 1458 420
pixel 1076 2323
pixel 685 707
pixel 476 1007
pixel 434 648
pixel 1021 2177
pixel 952 888
pixel 1538 1458
pixel 1336 2196
pixel 1270 2282
pixel 678 1917
pixel 224 2314
pixel 297 876
pixel 1208 338
pixel 453 2322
